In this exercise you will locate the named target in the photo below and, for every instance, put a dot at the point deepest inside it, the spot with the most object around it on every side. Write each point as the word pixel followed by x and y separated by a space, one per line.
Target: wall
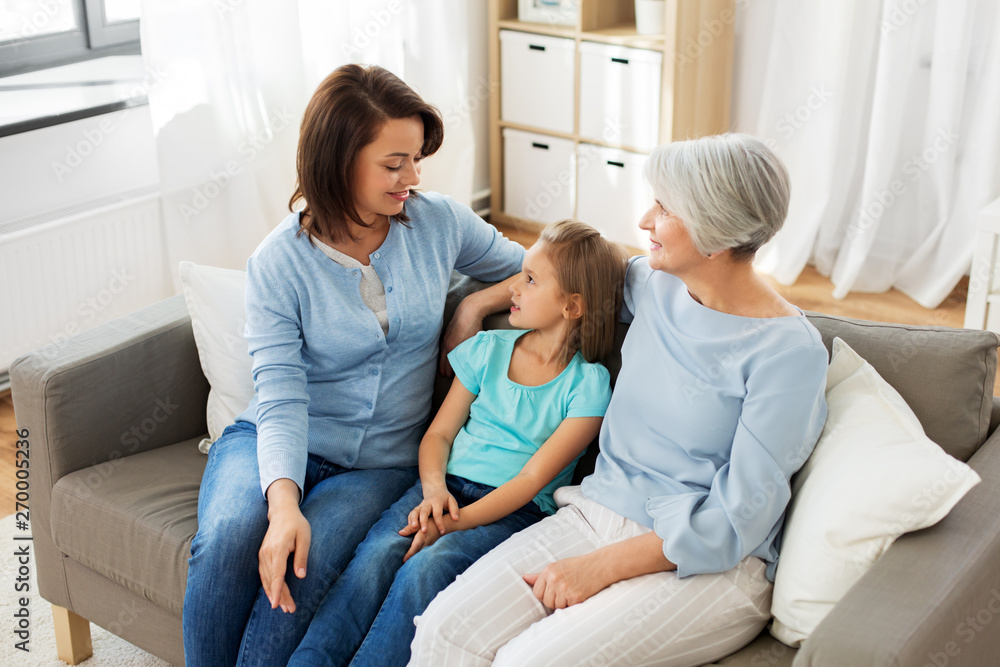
pixel 73 163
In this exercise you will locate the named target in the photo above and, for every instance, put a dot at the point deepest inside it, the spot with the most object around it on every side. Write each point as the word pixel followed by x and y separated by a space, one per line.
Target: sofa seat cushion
pixel 132 519
pixel 764 651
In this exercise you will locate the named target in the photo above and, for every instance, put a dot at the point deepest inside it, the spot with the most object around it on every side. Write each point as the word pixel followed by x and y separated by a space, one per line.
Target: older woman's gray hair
pixel 730 190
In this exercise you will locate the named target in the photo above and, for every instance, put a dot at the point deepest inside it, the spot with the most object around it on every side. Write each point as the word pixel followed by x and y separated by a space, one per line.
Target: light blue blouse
pixel 508 422
pixel 711 416
pixel 328 381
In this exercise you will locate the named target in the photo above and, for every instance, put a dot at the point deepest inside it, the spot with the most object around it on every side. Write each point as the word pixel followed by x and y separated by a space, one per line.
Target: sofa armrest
pixel 931 598
pixel 126 386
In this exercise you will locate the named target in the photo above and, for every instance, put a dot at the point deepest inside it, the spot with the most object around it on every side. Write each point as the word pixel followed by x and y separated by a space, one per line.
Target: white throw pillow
pixel 215 299
pixel 873 476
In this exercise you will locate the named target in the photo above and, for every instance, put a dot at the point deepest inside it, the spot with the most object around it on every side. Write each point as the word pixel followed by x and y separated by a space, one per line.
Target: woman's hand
pixel 420 540
pixel 567 582
pixel 437 502
pixel 288 532
pixel 570 581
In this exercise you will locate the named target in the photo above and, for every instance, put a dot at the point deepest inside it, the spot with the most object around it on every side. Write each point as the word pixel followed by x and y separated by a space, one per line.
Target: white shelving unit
pixel 607 93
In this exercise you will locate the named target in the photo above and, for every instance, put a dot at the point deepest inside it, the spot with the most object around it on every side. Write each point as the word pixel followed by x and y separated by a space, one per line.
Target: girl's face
pixel 388 167
pixel 670 245
pixel 539 301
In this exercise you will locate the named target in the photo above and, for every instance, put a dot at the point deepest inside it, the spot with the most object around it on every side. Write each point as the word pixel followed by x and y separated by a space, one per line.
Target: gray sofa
pixel 115 416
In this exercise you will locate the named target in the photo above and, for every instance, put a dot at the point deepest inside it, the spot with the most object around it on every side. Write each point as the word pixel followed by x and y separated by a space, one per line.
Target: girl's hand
pixel 421 540
pixel 568 582
pixel 437 502
pixel 287 532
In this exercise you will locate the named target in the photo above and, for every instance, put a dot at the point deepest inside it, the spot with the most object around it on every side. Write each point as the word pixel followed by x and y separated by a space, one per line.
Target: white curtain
pixel 234 78
pixel 887 115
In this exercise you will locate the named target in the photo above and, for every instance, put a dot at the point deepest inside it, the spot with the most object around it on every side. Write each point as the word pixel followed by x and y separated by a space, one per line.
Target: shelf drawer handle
pixel 616 164
pixel 623 61
pixel 535 144
pixel 536 47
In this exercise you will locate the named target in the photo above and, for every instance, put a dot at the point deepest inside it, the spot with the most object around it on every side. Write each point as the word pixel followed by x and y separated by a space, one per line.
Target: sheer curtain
pixel 887 115
pixel 234 78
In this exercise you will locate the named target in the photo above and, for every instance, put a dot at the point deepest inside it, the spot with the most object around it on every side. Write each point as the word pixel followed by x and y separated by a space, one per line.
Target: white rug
pixel 109 650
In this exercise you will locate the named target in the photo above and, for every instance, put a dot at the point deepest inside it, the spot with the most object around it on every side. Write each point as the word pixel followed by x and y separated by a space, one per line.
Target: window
pixel 37 34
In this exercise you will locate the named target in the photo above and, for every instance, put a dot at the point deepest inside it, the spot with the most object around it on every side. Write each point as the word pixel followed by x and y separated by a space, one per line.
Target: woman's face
pixel 670 245
pixel 388 167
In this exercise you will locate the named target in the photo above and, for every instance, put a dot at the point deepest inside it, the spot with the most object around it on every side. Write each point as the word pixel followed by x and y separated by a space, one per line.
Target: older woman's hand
pixel 569 581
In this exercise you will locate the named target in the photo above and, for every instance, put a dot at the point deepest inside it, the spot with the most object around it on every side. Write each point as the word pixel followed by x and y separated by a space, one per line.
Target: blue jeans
pixel 367 617
pixel 227 617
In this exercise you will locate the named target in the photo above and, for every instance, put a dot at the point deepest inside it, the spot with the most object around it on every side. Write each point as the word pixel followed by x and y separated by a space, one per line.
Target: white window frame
pixel 93 38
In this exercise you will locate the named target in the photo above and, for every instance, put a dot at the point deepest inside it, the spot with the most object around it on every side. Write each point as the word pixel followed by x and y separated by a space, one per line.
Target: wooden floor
pixel 8 439
pixel 811 292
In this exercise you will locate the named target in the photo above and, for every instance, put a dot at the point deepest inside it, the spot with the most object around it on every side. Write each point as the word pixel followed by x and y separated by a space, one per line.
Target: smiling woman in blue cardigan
pixel 344 305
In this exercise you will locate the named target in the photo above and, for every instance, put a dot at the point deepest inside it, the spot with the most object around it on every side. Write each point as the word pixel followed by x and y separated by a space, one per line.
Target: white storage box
pixel 620 95
pixel 612 194
pixel 539 176
pixel 536 80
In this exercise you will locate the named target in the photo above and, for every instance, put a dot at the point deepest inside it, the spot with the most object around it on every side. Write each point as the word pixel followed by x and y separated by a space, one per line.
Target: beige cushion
pixel 945 375
pixel 132 519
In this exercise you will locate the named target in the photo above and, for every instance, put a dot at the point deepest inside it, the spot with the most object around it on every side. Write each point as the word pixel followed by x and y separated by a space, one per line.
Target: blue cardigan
pixel 327 381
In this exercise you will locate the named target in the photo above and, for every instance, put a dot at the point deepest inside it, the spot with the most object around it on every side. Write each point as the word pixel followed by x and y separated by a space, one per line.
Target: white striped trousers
pixel 490 616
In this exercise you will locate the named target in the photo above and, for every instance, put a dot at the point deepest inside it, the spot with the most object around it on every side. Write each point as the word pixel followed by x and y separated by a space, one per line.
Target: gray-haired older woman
pixel 666 553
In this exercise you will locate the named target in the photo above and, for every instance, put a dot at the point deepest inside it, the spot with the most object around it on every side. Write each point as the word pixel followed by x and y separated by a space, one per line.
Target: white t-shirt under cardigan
pixel 327 380
pixel 711 415
pixel 372 289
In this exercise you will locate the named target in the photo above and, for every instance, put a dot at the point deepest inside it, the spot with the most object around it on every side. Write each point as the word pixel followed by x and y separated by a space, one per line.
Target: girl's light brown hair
pixel 345 114
pixel 593 267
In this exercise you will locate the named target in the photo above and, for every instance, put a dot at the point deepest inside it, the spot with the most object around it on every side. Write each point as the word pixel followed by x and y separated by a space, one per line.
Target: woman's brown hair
pixel 345 114
pixel 593 267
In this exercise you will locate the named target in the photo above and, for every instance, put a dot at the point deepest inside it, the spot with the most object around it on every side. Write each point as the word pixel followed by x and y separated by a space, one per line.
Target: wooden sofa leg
pixel 72 636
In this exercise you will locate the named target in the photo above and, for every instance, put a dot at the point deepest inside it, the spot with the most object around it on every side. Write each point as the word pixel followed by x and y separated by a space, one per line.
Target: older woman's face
pixel 670 245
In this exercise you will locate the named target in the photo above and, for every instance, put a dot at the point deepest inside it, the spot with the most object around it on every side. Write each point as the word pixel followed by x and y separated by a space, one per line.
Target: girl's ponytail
pixel 593 267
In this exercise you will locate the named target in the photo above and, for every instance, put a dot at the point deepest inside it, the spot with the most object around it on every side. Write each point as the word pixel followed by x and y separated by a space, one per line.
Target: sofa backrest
pixel 945 375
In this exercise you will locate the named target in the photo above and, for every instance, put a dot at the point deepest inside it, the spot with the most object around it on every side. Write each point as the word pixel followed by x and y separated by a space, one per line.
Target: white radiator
pixel 68 271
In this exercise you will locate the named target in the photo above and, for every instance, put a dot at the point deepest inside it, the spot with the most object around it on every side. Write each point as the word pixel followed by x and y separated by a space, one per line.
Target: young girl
pixel 523 407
